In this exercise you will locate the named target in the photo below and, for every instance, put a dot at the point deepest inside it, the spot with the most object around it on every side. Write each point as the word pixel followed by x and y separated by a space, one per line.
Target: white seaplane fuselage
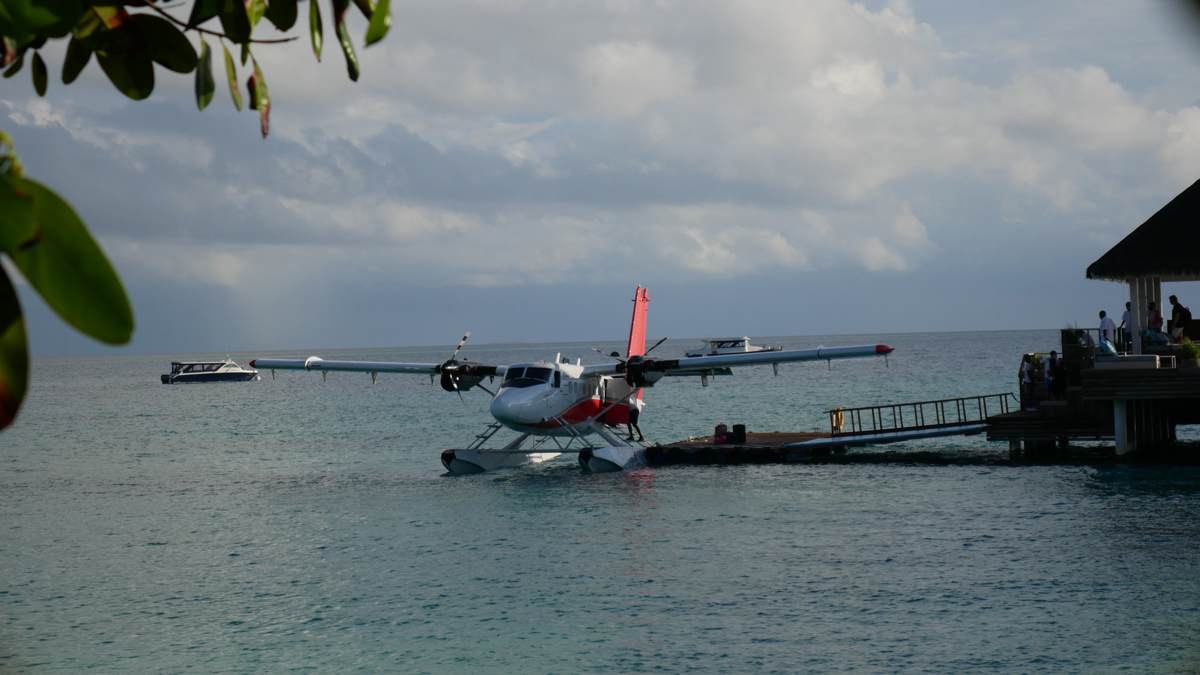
pixel 560 399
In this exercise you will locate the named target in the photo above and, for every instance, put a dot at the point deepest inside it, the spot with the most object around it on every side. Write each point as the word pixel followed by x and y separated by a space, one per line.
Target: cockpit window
pixel 526 377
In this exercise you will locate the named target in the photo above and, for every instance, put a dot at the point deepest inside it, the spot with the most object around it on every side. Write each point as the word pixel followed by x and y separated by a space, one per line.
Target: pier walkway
pixel 849 427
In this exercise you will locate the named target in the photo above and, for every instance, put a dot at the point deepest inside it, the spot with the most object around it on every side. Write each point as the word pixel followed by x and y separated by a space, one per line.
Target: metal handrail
pixel 961 410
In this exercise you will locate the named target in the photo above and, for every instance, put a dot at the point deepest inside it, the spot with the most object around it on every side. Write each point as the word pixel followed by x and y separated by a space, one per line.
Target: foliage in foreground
pixel 39 232
pixel 47 242
pixel 128 44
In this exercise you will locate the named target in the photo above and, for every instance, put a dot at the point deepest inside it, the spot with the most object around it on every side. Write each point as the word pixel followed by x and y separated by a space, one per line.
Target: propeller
pixel 635 367
pixel 459 347
pixel 459 376
pixel 449 370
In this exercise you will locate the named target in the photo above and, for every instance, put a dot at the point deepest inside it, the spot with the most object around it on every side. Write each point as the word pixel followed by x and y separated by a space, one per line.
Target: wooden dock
pixel 759 448
pixel 1136 404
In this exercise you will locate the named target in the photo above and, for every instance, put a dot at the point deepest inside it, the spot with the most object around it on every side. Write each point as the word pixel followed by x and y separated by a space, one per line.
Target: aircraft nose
pixel 512 405
pixel 508 405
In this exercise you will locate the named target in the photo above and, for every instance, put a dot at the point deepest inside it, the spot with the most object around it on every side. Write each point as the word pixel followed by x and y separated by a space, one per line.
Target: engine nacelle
pixel 465 374
pixel 640 372
pixel 463 382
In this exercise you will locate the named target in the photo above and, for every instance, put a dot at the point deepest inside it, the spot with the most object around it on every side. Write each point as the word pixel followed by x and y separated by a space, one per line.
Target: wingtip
pixel 883 349
pixel 252 362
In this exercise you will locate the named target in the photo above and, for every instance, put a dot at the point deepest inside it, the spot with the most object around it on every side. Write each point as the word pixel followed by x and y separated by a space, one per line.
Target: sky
pixel 517 167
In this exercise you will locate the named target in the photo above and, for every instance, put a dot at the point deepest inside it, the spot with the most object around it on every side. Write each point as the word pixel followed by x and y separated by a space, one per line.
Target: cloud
pixel 622 79
pixel 539 142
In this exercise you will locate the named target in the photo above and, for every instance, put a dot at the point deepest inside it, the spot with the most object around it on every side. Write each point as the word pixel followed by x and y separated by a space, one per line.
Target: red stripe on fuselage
pixel 584 410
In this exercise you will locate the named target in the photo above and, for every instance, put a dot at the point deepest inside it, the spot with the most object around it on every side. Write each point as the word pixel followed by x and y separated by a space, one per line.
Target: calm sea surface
pixel 301 524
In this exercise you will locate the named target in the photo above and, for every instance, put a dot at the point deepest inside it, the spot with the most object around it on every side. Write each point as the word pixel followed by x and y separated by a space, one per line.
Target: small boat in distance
pixel 184 372
pixel 735 345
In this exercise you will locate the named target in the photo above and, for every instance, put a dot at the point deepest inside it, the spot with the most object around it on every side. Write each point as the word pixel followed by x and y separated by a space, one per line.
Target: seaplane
pixel 562 401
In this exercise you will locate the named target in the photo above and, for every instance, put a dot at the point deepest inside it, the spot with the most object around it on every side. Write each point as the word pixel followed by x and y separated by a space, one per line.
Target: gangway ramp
pixel 895 422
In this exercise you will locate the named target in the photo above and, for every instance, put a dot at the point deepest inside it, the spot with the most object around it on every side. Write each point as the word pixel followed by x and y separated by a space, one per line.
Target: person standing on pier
pixel 1108 327
pixel 1048 370
pixel 1027 381
pixel 1154 318
pixel 1180 317
pixel 634 414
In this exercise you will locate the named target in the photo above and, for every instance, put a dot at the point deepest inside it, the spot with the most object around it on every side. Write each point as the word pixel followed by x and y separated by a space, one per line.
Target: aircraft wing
pixel 317 364
pixel 700 364
pixel 760 358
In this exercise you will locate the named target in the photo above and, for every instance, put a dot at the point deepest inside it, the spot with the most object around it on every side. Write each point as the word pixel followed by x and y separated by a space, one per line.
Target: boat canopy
pixel 198 366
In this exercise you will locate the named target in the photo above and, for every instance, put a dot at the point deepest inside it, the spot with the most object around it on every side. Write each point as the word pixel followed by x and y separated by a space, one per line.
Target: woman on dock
pixel 1154 319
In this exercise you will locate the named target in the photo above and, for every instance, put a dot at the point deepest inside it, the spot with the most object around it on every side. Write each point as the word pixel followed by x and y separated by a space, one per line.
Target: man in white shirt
pixel 1108 327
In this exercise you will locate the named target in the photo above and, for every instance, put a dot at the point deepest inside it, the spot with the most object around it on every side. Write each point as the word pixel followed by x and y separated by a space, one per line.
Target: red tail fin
pixel 637 330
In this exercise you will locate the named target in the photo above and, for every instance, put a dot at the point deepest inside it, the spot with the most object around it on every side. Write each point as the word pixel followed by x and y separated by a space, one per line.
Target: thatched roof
pixel 1167 245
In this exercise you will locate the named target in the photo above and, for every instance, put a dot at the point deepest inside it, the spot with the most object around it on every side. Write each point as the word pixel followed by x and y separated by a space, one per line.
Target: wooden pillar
pixel 1121 427
pixel 1014 451
pixel 1138 313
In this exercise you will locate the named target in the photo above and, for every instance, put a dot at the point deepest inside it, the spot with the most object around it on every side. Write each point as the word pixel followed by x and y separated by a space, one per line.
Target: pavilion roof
pixel 1167 245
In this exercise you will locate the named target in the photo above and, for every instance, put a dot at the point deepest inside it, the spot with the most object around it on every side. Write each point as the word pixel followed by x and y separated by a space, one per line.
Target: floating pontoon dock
pixel 849 427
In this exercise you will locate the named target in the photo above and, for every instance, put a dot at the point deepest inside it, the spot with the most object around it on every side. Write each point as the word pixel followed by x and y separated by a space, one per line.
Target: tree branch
pixel 213 32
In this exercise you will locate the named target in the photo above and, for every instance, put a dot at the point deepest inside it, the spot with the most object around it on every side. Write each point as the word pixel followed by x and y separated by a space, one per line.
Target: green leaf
pixel 39 74
pixel 70 272
pixel 260 100
pixel 255 10
pixel 231 75
pixel 46 18
pixel 235 21
pixel 245 52
pixel 204 10
pixel 315 28
pixel 167 45
pixel 381 21
pixel 14 352
pixel 90 30
pixel 16 66
pixel 17 224
pixel 204 77
pixel 77 58
pixel 132 75
pixel 282 13
pixel 343 33
pixel 10 51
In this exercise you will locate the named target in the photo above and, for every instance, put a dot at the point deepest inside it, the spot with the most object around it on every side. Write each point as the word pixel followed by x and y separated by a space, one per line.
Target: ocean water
pixel 299 524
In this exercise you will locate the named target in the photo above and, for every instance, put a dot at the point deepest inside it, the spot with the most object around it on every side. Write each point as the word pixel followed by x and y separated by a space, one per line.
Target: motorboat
pixel 731 345
pixel 184 372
